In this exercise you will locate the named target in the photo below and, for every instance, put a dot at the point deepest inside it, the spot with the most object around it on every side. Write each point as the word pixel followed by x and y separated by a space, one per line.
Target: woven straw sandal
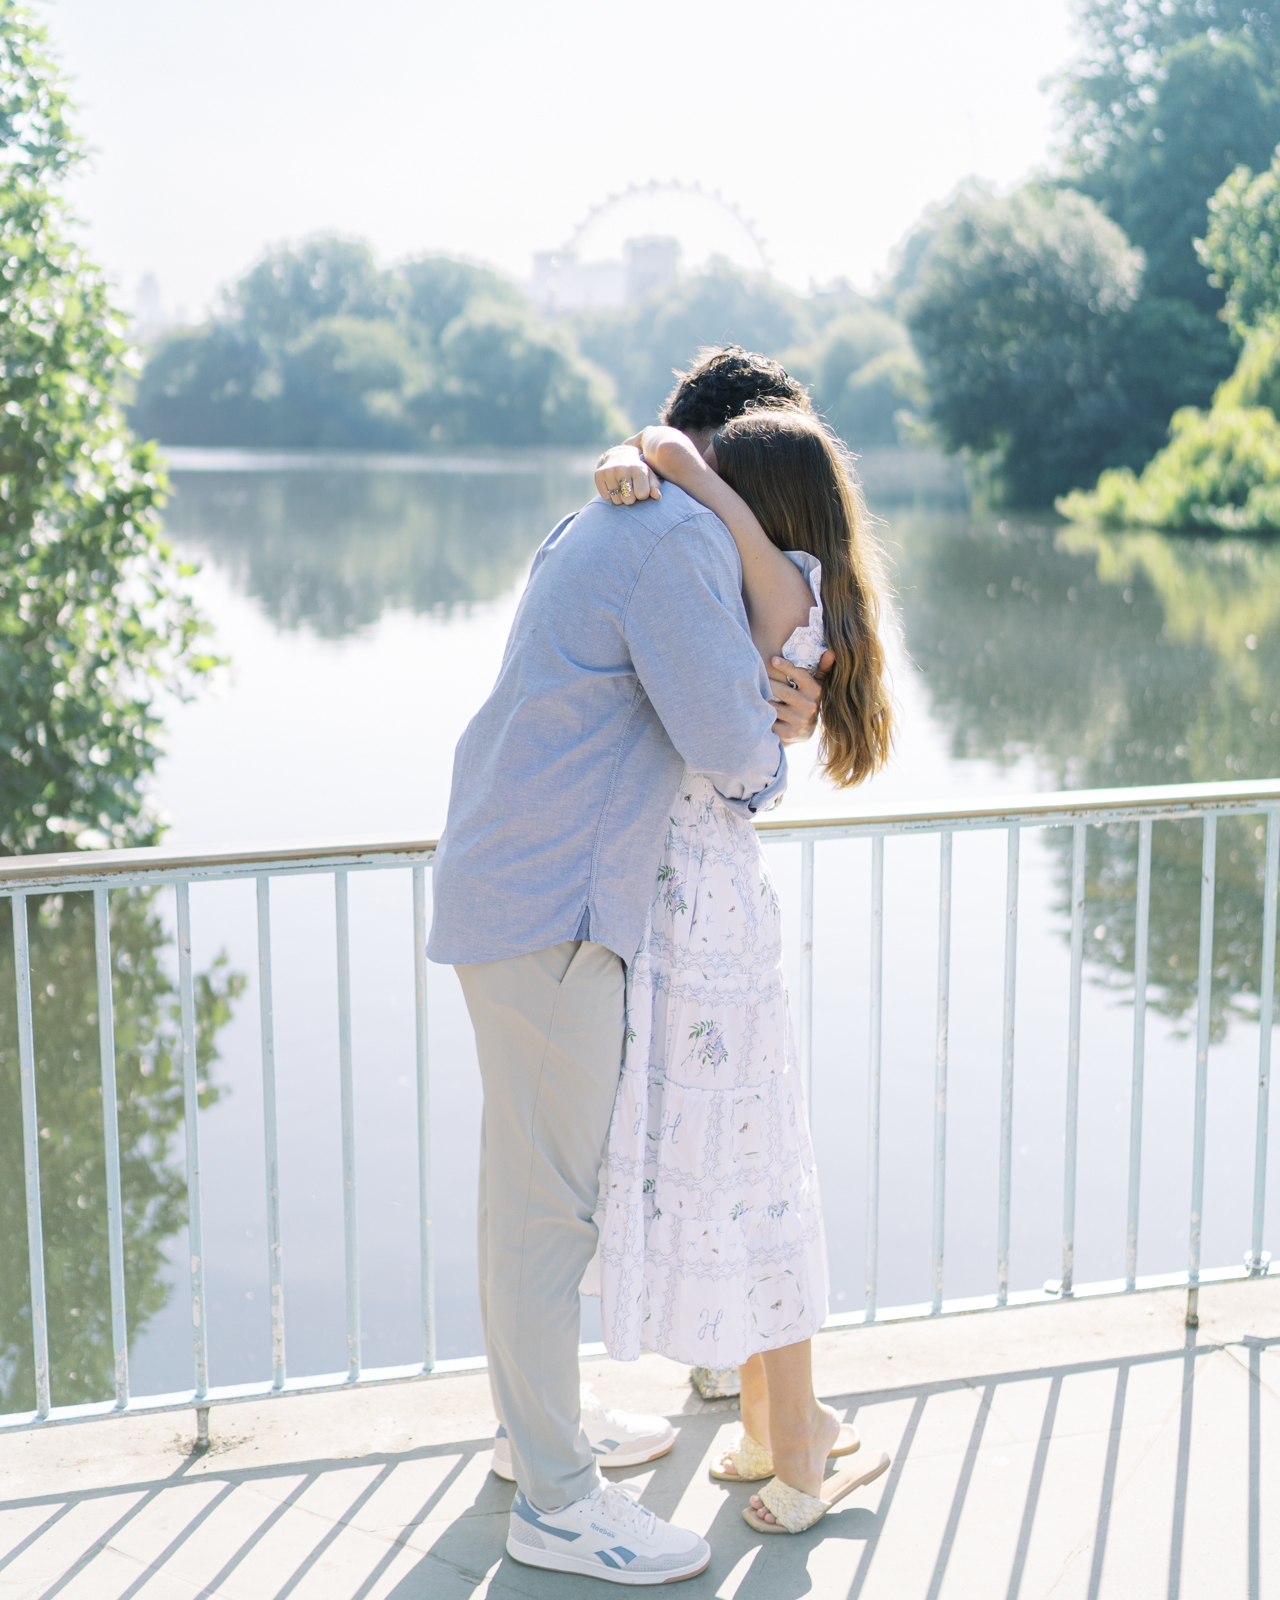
pixel 797 1511
pixel 752 1461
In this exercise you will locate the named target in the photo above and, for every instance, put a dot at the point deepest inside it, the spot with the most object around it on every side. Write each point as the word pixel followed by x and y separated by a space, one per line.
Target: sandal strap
pixel 794 1510
pixel 750 1458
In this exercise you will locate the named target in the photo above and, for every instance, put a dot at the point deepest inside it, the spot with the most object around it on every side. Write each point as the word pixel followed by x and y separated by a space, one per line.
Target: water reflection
pixel 1115 659
pixel 72 1168
pixel 333 550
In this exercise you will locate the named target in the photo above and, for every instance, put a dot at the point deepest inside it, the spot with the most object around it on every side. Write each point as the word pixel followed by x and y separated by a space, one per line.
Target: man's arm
pixel 686 630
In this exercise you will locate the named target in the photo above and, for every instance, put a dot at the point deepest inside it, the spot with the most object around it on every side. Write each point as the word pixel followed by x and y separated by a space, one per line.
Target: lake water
pixel 363 608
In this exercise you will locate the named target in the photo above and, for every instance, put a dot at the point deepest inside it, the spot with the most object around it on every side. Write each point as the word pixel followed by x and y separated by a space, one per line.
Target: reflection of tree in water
pixel 72 1166
pixel 1115 659
pixel 334 549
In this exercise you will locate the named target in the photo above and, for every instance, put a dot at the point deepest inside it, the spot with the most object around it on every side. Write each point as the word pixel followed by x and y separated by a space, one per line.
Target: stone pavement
pixel 1091 1449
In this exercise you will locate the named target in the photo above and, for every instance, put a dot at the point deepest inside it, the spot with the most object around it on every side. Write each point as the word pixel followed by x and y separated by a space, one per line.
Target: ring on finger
pixel 626 487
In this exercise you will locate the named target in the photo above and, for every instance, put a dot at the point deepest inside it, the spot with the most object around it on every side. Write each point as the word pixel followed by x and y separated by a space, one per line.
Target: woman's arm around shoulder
pixel 776 596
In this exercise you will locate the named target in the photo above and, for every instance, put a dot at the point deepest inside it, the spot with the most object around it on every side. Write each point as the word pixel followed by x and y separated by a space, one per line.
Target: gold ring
pixel 626 487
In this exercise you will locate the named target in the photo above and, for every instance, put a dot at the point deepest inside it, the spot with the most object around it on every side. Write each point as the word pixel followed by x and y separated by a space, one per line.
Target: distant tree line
pixel 316 346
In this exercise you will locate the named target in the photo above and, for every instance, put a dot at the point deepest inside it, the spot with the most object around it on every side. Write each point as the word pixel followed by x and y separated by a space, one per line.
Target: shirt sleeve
pixel 686 629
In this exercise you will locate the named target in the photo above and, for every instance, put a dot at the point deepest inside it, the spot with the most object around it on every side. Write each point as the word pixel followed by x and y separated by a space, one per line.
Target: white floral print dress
pixel 711 1236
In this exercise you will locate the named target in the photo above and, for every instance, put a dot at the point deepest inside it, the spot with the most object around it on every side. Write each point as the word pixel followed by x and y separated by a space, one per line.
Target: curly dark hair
pixel 723 383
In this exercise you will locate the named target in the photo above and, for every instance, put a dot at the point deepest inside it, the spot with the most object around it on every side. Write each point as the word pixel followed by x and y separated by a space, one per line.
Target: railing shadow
pixel 469 1546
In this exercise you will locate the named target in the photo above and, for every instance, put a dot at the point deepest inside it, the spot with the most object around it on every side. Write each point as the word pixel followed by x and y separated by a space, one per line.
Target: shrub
pixel 1221 469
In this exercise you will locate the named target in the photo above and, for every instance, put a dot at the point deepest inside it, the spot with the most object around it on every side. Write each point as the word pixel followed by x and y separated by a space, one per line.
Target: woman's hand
pixel 798 696
pixel 623 476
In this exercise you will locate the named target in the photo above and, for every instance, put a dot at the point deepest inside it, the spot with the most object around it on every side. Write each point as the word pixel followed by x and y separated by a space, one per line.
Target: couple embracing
pixel 600 889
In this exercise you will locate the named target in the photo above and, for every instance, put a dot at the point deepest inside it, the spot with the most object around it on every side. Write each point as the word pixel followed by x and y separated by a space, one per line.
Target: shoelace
pixel 617 1503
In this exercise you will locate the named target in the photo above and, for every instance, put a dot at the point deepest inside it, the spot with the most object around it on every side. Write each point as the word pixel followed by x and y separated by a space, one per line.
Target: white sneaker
pixel 617 1438
pixel 608 1535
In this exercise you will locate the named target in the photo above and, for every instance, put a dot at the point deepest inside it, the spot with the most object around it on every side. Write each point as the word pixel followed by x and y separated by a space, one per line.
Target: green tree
pixel 1018 310
pixel 94 620
pixel 1241 247
pixel 1167 98
pixel 1211 105
pixel 1126 43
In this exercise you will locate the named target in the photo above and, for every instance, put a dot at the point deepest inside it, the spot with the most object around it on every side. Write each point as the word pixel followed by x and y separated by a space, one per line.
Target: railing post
pixel 31 1153
pixel 1006 1065
pixel 1204 997
pixel 873 1074
pixel 1141 946
pixel 427 1265
pixel 350 1234
pixel 1073 1059
pixel 940 1066
pixel 806 973
pixel 191 1121
pixel 270 1138
pixel 111 1143
pixel 1256 1259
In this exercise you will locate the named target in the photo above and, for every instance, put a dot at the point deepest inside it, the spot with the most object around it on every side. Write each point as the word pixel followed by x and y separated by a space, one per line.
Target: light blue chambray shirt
pixel 629 660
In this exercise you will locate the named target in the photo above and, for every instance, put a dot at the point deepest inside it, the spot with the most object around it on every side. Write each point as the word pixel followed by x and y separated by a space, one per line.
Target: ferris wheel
pixel 639 197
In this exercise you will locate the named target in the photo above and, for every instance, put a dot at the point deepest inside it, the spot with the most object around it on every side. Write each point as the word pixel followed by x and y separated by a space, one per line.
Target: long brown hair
pixel 800 484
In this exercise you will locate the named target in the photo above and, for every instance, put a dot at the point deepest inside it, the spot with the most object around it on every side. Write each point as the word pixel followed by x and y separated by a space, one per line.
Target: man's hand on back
pixel 798 696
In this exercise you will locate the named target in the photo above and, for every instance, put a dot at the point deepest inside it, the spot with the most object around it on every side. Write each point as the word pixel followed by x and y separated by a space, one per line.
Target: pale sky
pixel 489 131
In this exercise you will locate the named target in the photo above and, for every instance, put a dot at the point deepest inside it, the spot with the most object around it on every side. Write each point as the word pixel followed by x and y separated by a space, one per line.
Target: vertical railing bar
pixel 31 1153
pixel 348 1127
pixel 873 1074
pixel 424 1118
pixel 1006 1065
pixel 806 973
pixel 111 1143
pixel 1141 945
pixel 1204 997
pixel 1078 839
pixel 270 1136
pixel 940 1067
pixel 1265 1015
pixel 191 1108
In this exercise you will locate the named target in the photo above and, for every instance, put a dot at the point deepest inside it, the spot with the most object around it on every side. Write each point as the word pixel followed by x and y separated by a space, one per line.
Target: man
pixel 628 660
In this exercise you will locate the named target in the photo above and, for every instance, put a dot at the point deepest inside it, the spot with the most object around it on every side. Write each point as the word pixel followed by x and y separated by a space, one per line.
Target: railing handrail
pixel 71 868
pixel 66 868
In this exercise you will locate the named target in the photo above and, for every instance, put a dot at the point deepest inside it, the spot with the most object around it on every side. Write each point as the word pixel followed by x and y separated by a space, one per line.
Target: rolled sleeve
pixel 687 633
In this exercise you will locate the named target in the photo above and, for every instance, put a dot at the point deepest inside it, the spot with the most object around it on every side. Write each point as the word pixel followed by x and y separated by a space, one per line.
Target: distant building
pixel 151 317
pixel 562 283
pixel 652 263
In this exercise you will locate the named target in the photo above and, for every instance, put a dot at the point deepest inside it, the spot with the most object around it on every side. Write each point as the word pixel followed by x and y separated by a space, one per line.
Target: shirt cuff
pixel 767 798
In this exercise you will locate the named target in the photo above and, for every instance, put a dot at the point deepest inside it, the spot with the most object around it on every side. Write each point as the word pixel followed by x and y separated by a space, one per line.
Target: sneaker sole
pixel 637 1459
pixel 558 1561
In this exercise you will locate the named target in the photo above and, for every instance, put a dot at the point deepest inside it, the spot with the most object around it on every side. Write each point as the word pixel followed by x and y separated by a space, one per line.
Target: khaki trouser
pixel 549 1037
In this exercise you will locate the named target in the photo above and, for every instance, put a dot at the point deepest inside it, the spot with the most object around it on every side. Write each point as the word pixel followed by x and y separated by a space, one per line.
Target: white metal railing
pixel 100 872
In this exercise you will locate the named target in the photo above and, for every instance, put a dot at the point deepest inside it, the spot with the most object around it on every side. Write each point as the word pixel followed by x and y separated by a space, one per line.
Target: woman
pixel 712 1248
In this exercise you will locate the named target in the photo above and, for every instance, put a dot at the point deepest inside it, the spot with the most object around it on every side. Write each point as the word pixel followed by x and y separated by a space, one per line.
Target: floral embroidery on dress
pixel 671 890
pixel 711 1052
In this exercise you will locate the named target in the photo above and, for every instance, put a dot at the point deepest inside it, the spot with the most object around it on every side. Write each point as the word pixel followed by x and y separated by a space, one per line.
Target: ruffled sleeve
pixel 805 646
